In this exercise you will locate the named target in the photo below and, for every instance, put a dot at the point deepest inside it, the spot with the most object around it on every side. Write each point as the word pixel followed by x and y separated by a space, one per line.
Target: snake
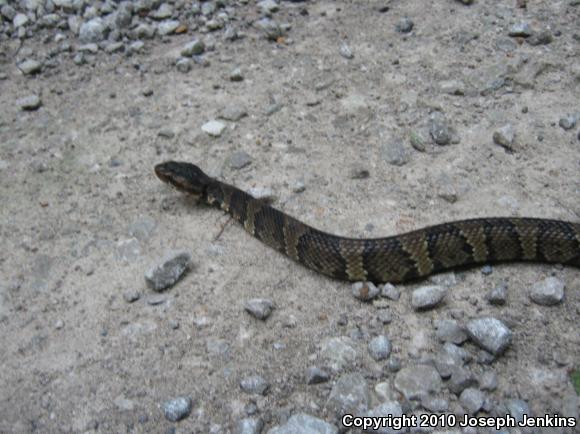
pixel 393 259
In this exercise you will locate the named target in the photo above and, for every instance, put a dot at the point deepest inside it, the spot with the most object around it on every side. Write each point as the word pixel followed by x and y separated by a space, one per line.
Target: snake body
pixel 393 259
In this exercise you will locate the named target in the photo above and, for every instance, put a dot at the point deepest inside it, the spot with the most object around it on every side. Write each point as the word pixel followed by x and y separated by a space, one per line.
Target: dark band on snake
pixel 394 259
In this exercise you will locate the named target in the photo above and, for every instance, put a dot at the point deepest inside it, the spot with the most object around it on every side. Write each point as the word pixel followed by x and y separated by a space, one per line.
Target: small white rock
pixel 213 128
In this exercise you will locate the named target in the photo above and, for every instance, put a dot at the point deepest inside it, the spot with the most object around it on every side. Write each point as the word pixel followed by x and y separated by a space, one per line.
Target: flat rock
pixel 418 381
pixel 255 385
pixel 427 297
pixel 213 128
pixel 303 423
pixel 168 271
pixel 29 103
pixel 548 292
pixel 259 308
pixel 30 66
pixel 490 334
pixel 349 395
pixel 239 160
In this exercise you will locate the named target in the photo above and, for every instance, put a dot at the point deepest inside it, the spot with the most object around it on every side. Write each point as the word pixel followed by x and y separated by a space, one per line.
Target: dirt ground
pixel 83 216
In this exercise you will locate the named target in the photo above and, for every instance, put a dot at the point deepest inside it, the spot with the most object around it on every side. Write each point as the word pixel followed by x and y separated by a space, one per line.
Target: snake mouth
pixel 182 176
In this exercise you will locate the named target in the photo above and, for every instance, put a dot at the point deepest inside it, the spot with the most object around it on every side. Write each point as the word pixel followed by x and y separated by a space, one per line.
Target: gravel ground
pixel 126 308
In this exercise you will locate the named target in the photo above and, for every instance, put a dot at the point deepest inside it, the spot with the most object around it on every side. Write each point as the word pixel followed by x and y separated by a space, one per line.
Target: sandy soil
pixel 83 215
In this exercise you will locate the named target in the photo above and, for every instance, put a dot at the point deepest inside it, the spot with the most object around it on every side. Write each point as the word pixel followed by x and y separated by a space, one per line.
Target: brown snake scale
pixel 398 258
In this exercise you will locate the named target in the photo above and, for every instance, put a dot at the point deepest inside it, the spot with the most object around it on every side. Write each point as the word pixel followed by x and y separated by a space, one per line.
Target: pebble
pixel 435 404
pixel 380 348
pixel 239 160
pixel 236 75
pixel 184 65
pixel 156 299
pixel 504 136
pixel 249 425
pixel 385 316
pixel 338 352
pixel 94 30
pixel 164 11
pixel 193 48
pixel 270 28
pixel 517 408
pixel 20 20
pixel 418 381
pixel 316 375
pixel 472 400
pixel 427 297
pixel 30 66
pixel 131 295
pixel 213 128
pixel 488 381
pixel 390 291
pixel 497 296
pixel 440 131
pixel 349 394
pixel 522 29
pixel 168 271
pixel 543 37
pixel 568 122
pixel 452 87
pixel 345 51
pixel 233 113
pixel 460 380
pixel 364 291
pixel 490 334
pixel 548 292
pixel 177 409
pixel 268 6
pixel 390 408
pixel 59 324
pixel 167 27
pixel 303 423
pixel 405 25
pixel 395 153
pixel 259 308
pixel 449 331
pixel 254 385
pixel 29 103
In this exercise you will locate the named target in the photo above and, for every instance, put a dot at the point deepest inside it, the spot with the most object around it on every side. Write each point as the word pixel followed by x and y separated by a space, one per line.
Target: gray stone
pixel 168 271
pixel 177 409
pixel 30 66
pixel 338 352
pixel 8 12
pixel 364 291
pixel 498 294
pixel 460 380
pixel 390 291
pixel 440 131
pixel 239 160
pixel 543 37
pixel 488 381
pixel 548 292
pixel 395 153
pixel 254 385
pixel 20 20
pixel 193 48
pixel 418 381
pixel 303 423
pixel 380 348
pixel 94 30
pixel 405 25
pixel 213 128
pixel 522 29
pixel 427 297
pixel 505 136
pixel 164 11
pixel 249 425
pixel 517 408
pixel 131 295
pixel 270 28
pixel 450 331
pixel 167 27
pixel 236 75
pixel 490 334
pixel 345 51
pixel 144 31
pixel 184 65
pixel 128 250
pixel 472 400
pixel 233 113
pixel 391 408
pixel 88 48
pixel 259 308
pixel 316 375
pixel 568 122
pixel 452 87
pixel 29 103
pixel 349 395
pixel 435 404
pixel 268 6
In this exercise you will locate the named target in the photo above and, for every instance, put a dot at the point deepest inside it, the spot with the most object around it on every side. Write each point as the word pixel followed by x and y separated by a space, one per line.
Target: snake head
pixel 185 177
